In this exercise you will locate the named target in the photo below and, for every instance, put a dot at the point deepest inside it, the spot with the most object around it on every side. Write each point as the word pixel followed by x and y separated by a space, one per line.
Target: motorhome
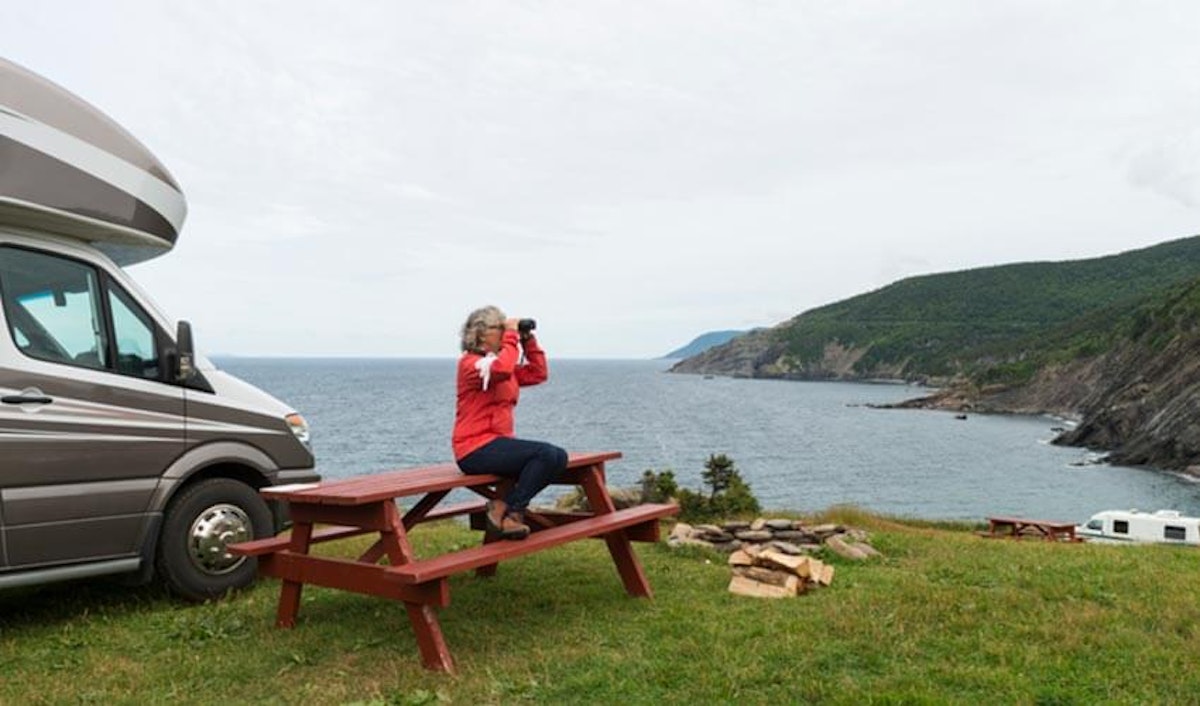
pixel 1164 526
pixel 122 449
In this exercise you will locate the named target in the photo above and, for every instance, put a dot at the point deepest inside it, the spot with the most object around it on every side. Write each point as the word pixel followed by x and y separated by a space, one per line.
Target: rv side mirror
pixel 184 351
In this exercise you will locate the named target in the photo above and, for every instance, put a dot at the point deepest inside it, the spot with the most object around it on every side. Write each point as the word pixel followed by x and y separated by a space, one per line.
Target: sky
pixel 361 175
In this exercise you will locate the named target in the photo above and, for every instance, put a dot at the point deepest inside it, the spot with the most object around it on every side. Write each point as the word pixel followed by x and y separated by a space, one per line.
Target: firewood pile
pixel 775 558
pixel 769 573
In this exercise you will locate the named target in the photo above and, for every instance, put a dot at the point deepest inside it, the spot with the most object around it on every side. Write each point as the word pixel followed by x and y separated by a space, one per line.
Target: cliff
pixel 1139 399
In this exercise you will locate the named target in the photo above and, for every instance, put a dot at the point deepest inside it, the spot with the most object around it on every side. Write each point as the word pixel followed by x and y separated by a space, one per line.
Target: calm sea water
pixel 800 445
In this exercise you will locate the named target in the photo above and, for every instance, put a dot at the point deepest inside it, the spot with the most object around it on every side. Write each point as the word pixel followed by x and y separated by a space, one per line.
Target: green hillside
pixel 990 318
pixel 1151 322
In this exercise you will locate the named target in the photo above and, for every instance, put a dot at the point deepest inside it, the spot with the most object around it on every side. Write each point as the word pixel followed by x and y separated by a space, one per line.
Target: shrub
pixel 658 487
pixel 729 495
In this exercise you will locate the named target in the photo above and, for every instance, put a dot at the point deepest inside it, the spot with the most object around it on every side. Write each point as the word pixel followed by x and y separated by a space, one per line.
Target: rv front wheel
pixel 199 523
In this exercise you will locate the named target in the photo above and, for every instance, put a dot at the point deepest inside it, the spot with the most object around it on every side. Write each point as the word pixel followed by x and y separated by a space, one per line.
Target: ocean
pixel 801 446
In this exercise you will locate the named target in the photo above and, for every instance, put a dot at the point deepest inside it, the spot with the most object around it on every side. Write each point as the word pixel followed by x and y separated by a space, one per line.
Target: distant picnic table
pixel 367 505
pixel 1023 527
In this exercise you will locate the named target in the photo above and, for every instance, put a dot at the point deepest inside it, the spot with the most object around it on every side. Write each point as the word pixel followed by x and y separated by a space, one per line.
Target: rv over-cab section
pixel 68 169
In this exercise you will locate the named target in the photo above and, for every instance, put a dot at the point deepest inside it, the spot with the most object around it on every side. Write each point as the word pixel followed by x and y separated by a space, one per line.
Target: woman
pixel 490 374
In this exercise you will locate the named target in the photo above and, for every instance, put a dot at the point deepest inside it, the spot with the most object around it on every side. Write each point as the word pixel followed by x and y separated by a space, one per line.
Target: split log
pixel 798 565
pixel 866 549
pixel 762 574
pixel 744 586
pixel 824 576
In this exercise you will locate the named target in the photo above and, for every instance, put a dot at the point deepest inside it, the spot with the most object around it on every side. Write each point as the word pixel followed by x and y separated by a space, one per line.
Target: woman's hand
pixel 511 324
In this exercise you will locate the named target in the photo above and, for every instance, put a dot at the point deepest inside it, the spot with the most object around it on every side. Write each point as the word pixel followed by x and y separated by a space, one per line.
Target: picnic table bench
pixel 1020 527
pixel 367 505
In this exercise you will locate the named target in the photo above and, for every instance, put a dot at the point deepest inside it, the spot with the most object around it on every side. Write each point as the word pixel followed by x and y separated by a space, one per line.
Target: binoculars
pixel 524 326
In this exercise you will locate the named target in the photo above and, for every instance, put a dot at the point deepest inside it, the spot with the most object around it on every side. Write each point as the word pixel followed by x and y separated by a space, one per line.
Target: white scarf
pixel 484 366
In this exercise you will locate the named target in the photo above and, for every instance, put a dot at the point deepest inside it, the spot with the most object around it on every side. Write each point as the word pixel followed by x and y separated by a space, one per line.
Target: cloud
pixel 1170 166
pixel 665 168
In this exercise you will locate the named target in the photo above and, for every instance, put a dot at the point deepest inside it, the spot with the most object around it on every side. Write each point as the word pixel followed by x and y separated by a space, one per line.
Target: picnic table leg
pixel 394 543
pixel 289 594
pixel 618 543
pixel 435 655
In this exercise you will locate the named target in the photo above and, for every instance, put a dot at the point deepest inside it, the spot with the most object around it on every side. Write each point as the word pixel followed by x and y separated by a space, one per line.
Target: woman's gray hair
pixel 477 325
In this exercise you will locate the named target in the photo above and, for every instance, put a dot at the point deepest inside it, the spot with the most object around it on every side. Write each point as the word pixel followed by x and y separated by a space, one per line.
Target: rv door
pixel 89 420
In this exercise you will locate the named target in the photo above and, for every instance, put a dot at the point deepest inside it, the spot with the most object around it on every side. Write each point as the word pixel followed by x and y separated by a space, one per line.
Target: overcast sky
pixel 360 175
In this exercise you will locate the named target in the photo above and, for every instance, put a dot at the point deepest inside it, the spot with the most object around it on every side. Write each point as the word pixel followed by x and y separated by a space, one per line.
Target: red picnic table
pixel 367 504
pixel 1020 527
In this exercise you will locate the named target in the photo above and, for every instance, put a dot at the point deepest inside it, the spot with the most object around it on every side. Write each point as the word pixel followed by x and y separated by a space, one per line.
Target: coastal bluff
pixel 1109 342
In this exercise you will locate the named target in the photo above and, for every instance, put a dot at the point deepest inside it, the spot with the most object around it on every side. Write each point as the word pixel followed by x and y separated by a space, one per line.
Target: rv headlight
pixel 298 426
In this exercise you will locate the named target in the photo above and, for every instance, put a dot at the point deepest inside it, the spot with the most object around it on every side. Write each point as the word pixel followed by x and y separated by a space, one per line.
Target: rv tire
pixel 198 523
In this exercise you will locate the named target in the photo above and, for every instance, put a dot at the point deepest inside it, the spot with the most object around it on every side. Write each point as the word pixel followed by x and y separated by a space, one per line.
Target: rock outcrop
pixel 1140 404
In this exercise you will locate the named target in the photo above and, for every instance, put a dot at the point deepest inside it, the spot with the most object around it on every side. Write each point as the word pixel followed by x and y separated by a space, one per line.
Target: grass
pixel 945 617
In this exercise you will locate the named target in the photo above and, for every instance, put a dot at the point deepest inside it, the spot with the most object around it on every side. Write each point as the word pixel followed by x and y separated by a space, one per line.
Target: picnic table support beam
pixel 435 655
pixel 619 546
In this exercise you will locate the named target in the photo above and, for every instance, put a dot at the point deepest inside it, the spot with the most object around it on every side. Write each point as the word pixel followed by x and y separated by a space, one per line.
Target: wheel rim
pixel 212 531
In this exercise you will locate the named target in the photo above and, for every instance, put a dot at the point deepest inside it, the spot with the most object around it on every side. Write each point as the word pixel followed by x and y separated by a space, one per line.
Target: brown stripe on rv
pixel 30 175
pixel 50 104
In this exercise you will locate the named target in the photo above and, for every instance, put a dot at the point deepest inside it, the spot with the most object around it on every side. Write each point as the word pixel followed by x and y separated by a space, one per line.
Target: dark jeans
pixel 535 464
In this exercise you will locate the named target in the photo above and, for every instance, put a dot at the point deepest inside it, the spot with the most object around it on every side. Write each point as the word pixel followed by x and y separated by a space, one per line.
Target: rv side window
pixel 1097 525
pixel 1174 532
pixel 1120 526
pixel 137 354
pixel 53 308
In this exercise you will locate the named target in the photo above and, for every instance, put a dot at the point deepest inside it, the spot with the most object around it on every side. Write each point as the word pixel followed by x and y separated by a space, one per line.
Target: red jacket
pixel 483 415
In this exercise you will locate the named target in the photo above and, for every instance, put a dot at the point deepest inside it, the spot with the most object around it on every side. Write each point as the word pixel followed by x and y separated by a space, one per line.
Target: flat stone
pixel 728 547
pixel 841 548
pixel 680 530
pixel 787 548
pixel 718 536
pixel 824 530
pixel 796 536
pixel 779 524
pixel 758 524
pixel 754 536
pixel 708 528
pixel 866 548
pixel 735 525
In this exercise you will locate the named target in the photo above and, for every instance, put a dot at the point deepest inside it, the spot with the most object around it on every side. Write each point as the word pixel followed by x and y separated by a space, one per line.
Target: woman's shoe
pixel 490 515
pixel 513 526
pixel 510 525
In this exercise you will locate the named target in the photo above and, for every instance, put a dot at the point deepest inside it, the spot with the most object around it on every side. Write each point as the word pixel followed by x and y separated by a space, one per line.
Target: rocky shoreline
pixel 1137 422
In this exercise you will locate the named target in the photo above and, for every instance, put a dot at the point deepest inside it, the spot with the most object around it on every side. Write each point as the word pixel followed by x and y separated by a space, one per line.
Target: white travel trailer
pixel 1163 526
pixel 122 451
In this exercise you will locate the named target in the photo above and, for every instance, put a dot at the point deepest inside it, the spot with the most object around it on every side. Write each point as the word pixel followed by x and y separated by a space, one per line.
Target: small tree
pixel 718 473
pixel 729 495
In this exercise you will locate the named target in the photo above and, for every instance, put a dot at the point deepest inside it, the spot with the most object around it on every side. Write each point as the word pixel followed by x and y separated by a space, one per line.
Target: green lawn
pixel 945 617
